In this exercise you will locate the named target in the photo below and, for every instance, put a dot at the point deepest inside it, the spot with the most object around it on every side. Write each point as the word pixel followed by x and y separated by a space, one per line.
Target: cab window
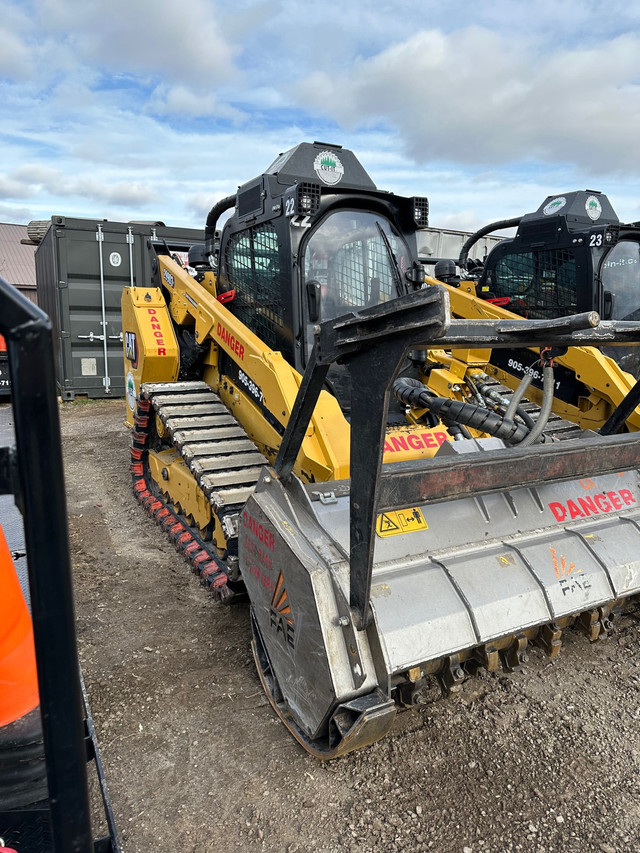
pixel 540 285
pixel 621 276
pixel 358 260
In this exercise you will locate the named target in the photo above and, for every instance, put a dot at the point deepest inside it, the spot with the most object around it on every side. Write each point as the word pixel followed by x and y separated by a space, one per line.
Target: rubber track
pixel 206 564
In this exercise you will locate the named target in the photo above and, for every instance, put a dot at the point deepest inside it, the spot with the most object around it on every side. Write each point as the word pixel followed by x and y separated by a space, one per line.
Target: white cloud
pixel 179 101
pixel 14 214
pixel 481 97
pixel 34 179
pixel 10 187
pixel 14 56
pixel 182 41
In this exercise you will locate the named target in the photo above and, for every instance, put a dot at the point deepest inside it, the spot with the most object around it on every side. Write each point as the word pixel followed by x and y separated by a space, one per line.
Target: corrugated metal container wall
pixel 82 265
pixel 30 293
pixel 435 244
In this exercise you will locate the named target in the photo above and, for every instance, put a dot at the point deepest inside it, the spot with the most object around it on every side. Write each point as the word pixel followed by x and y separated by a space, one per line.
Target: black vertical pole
pixel 369 404
pixel 31 363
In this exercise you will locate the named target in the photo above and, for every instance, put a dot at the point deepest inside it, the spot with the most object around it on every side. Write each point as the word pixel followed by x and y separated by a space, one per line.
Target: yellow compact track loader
pixel 290 436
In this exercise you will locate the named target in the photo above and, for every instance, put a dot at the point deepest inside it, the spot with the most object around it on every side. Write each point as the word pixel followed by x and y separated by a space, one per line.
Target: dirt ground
pixel 547 760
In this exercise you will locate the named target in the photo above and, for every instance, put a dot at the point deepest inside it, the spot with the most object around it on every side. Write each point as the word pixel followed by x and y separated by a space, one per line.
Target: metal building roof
pixel 17 259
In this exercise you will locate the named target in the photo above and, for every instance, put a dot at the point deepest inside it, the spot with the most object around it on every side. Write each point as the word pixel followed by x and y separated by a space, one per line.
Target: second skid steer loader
pixel 569 256
pixel 266 392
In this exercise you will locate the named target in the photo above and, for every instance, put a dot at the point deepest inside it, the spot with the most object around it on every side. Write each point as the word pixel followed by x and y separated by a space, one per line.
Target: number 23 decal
pixel 595 241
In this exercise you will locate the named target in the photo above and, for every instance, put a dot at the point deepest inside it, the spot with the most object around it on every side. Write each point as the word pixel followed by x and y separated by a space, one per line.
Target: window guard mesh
pixel 540 284
pixel 253 269
pixel 362 273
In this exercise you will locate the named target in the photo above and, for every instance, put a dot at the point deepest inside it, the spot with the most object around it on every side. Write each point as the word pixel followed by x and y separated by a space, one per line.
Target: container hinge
pixel 62 284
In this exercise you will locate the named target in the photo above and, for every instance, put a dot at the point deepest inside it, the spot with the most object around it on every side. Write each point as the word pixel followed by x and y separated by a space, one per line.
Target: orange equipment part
pixel 18 676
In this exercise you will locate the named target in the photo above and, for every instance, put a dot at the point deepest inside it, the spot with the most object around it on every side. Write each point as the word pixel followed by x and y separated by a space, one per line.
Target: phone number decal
pixel 530 371
pixel 250 386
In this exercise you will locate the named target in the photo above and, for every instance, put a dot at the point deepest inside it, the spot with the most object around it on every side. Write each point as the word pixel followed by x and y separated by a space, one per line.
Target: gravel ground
pixel 546 760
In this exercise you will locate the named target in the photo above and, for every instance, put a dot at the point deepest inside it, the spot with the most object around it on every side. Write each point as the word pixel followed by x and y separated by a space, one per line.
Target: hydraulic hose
pixel 518 394
pixel 476 391
pixel 212 218
pixel 414 393
pixel 493 396
pixel 525 417
pixel 459 432
pixel 487 229
pixel 545 411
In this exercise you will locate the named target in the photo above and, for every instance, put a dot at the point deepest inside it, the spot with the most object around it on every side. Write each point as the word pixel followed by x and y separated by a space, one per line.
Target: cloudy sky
pixel 154 109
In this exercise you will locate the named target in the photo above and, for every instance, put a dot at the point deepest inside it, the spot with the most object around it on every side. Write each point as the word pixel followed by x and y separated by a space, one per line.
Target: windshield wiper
pixel 397 275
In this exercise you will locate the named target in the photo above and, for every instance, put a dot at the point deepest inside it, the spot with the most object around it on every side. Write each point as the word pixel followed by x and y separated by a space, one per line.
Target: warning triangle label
pixel 387 525
pixel 402 521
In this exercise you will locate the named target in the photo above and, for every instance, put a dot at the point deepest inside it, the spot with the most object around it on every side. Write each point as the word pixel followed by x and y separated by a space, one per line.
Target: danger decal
pixel 258 552
pixel 261 533
pixel 259 573
pixel 598 504
pixel 230 340
pixel 413 441
pixel 156 330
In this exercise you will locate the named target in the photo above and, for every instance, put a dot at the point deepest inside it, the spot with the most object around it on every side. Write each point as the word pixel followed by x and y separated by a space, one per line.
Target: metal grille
pixel 421 211
pixel 253 269
pixel 308 198
pixel 363 274
pixel 250 201
pixel 540 285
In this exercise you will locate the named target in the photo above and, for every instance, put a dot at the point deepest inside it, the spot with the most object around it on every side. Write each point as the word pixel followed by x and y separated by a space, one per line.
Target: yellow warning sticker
pixel 400 521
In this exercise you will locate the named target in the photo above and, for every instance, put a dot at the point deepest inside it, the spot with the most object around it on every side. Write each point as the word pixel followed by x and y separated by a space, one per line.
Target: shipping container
pixel 82 265
pixel 438 244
